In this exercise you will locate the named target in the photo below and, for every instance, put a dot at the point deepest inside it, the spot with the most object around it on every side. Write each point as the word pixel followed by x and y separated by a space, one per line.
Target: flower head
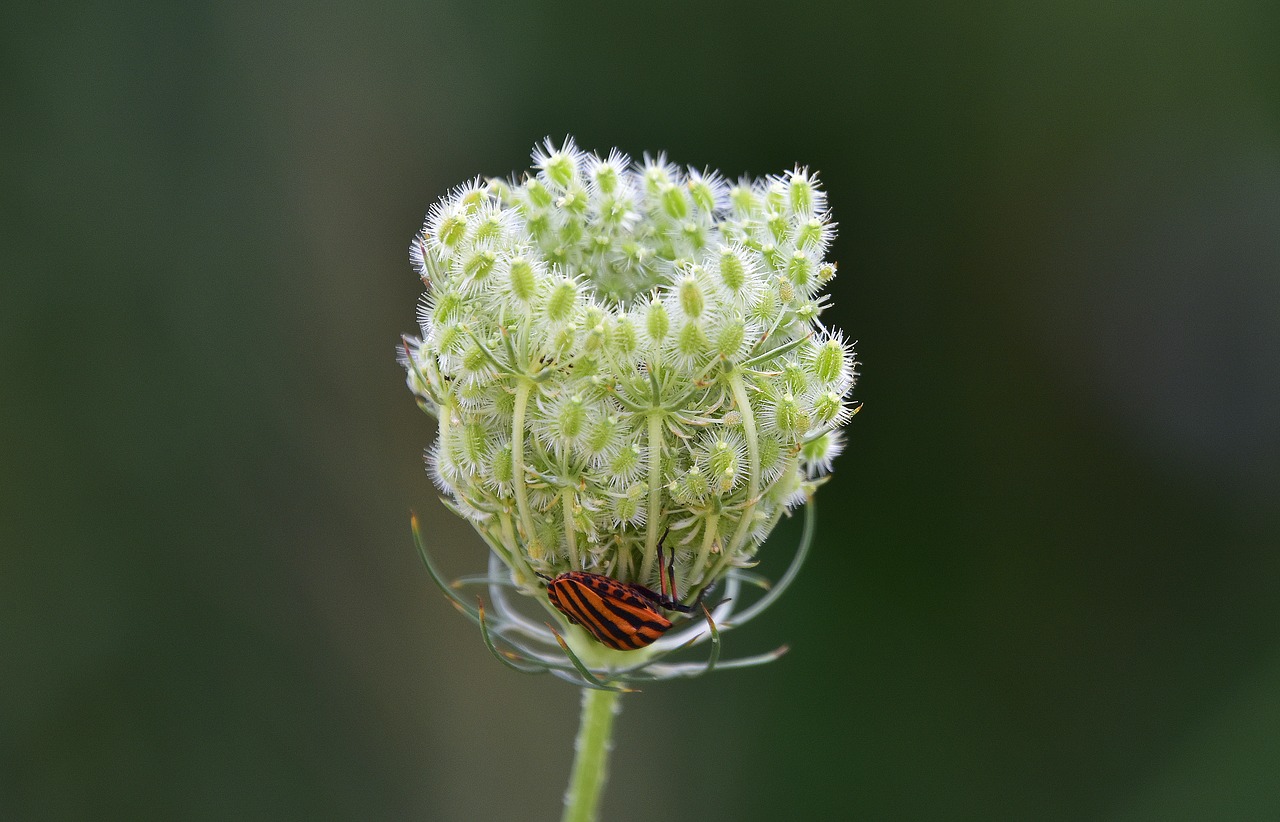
pixel 626 356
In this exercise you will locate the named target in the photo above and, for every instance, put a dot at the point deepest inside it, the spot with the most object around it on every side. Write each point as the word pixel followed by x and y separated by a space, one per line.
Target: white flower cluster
pixel 619 351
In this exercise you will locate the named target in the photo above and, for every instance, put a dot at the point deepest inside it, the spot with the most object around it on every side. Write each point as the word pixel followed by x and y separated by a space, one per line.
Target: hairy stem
pixel 591 755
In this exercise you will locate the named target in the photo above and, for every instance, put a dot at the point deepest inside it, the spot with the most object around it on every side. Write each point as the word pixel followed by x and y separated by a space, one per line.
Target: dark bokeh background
pixel 1047 584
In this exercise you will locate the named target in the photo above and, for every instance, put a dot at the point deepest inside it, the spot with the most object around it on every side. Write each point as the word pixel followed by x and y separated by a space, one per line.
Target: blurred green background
pixel 1047 584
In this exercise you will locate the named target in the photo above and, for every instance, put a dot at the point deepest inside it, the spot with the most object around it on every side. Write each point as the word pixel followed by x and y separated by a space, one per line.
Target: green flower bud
pixel 730 336
pixel 657 324
pixel 627 462
pixel 766 307
pixel 694 234
pixel 829 363
pixel 479 263
pixel 604 433
pixel 504 403
pixel 724 459
pixel 778 227
pixel 771 453
pixel 562 300
pixel 563 340
pixel 451 230
pixel 733 271
pixel 657 178
pixel 490 229
pixel 674 202
pixel 447 309
pixel 572 233
pixel 560 168
pixel 744 201
pixel 474 359
pixel 539 223
pixel 614 212
pixel 539 196
pixel 624 335
pixel 774 196
pixel 818 453
pixel 800 271
pixel 475 394
pixel 695 485
pixel 606 178
pixel 828 407
pixel 794 376
pixel 691 343
pixel 500 465
pixel 692 300
pixel 628 508
pixel 473 443
pixel 703 194
pixel 523 279
pixel 449 338
pixel 800 193
pixel 571 418
pixel 789 417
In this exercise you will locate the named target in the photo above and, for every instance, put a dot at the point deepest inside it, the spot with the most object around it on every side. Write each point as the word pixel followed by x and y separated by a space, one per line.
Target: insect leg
pixel 671 574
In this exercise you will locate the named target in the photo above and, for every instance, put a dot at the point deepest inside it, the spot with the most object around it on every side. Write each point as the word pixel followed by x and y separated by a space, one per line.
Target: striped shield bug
pixel 620 615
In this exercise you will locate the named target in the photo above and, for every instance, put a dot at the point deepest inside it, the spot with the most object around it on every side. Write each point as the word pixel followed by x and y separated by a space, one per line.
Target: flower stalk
pixel 591 756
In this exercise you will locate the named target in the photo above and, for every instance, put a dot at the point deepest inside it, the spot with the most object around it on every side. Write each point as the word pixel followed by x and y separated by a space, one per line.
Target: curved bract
pixel 525 646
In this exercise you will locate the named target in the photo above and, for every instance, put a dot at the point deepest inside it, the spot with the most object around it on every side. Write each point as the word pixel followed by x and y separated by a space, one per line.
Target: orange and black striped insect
pixel 620 615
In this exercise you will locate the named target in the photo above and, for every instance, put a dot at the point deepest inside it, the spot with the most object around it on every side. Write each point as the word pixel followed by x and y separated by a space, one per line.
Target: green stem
pixel 701 565
pixel 655 493
pixel 517 457
pixel 586 784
